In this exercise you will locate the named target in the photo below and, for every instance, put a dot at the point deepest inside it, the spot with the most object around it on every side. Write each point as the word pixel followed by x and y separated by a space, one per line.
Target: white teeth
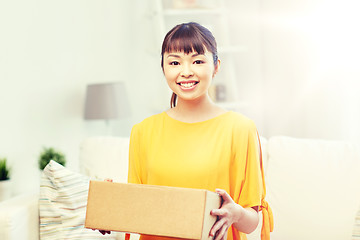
pixel 187 85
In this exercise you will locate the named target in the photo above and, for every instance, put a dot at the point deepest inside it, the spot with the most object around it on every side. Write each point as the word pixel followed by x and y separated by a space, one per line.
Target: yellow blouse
pixel 222 152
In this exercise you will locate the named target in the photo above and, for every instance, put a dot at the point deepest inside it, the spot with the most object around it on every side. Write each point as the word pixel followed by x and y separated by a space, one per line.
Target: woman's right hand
pixel 103 232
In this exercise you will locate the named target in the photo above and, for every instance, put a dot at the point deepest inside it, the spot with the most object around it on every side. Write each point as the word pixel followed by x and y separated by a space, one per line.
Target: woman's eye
pixel 198 62
pixel 174 63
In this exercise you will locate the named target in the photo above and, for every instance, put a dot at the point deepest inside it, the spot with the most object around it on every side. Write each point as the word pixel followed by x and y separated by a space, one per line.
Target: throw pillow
pixel 62 205
pixel 356 230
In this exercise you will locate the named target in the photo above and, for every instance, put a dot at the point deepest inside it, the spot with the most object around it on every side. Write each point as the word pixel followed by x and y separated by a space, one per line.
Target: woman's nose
pixel 186 71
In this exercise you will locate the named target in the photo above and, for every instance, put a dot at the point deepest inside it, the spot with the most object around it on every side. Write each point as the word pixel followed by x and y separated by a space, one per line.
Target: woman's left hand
pixel 228 213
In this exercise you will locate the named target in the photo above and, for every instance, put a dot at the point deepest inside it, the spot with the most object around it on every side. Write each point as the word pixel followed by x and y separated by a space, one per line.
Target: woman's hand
pixel 103 232
pixel 228 213
pixel 243 219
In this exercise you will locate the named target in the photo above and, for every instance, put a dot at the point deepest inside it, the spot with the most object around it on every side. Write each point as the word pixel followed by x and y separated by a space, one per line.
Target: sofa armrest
pixel 19 217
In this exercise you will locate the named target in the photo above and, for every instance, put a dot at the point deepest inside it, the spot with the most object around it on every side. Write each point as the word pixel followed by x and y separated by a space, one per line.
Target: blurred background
pixel 293 66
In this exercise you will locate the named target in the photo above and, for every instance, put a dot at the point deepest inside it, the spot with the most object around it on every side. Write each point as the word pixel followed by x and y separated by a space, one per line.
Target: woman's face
pixel 189 75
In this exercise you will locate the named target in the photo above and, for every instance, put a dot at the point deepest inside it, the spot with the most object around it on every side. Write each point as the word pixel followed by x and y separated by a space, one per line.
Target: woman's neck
pixel 195 110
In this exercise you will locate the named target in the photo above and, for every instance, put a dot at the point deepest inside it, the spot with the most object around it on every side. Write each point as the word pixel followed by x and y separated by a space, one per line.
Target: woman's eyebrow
pixel 197 54
pixel 173 55
pixel 178 56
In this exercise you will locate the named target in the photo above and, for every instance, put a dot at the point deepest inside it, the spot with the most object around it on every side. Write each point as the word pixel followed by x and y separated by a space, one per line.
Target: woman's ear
pixel 216 69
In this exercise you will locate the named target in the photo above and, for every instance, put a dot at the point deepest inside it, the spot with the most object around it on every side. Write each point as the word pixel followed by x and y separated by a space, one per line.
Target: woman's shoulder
pixel 240 120
pixel 153 119
pixel 150 122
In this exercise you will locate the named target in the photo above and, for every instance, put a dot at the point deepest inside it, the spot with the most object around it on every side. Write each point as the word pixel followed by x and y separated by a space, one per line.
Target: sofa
pixel 313 188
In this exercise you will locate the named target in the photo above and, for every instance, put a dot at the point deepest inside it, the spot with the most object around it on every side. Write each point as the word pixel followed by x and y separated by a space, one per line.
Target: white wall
pixel 311 68
pixel 50 51
pixel 245 25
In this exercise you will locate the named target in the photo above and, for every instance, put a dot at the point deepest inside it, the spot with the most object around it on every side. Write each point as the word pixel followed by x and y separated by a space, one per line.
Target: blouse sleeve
pixel 134 171
pixel 246 172
pixel 248 180
pixel 268 219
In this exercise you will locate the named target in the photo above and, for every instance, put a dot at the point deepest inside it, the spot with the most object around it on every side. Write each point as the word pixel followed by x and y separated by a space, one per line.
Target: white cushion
pixel 62 205
pixel 105 157
pixel 356 230
pixel 313 188
pixel 19 218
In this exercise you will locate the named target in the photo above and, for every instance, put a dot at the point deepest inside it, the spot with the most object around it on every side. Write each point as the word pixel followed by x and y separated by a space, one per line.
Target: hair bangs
pixel 187 44
pixel 189 37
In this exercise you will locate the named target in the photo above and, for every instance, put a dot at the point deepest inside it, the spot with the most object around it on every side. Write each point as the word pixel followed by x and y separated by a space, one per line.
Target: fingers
pixel 219 230
pixel 219 212
pixel 224 195
pixel 222 235
pixel 224 214
pixel 103 232
pixel 216 227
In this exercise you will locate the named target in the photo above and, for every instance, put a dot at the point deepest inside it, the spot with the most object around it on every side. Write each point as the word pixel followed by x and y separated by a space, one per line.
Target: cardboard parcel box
pixel 151 210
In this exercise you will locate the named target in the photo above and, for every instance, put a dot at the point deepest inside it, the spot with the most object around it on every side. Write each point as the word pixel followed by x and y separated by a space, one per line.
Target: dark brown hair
pixel 188 37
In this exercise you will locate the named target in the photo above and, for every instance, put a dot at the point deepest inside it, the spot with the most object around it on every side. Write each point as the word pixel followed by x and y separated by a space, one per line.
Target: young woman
pixel 197 144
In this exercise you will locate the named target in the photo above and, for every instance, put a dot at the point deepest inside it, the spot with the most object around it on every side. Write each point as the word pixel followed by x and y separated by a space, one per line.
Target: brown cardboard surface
pixel 152 210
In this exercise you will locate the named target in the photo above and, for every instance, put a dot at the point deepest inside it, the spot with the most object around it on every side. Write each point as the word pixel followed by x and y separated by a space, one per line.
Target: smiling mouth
pixel 187 84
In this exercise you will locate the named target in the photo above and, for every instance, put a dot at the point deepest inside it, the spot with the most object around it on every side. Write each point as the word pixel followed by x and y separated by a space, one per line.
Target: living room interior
pixel 297 73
